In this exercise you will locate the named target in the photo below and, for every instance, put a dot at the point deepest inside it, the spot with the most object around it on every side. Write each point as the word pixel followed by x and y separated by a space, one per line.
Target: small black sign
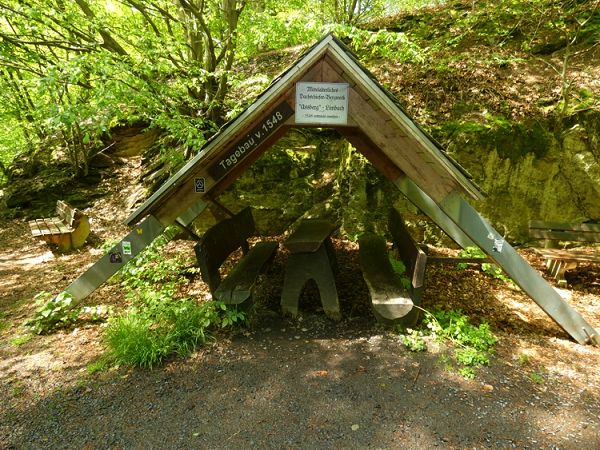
pixel 115 257
pixel 199 185
pixel 257 135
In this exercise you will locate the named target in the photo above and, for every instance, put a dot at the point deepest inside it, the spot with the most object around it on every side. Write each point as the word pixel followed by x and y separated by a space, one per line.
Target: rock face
pixel 313 173
pixel 133 141
pixel 528 172
pixel 533 175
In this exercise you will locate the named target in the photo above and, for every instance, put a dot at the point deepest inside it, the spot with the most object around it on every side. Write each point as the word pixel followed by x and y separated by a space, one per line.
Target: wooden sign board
pixel 322 103
pixel 251 141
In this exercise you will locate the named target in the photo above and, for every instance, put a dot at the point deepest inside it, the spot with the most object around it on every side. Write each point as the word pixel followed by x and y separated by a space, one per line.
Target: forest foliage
pixel 71 72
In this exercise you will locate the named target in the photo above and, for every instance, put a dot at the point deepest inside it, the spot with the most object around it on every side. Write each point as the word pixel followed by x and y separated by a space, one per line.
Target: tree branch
pixel 108 42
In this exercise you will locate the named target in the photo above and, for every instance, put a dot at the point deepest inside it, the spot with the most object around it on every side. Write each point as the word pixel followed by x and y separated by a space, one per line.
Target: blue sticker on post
pixel 199 184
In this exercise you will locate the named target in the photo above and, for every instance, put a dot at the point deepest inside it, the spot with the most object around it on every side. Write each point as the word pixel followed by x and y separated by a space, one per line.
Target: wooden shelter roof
pixel 376 125
pixel 373 122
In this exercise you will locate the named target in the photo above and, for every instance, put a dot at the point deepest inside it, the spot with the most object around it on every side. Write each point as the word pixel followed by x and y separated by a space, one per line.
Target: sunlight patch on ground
pixel 25 262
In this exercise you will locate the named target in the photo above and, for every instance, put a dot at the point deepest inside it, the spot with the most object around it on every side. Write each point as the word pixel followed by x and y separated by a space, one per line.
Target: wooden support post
pixel 426 204
pixel 494 245
pixel 128 248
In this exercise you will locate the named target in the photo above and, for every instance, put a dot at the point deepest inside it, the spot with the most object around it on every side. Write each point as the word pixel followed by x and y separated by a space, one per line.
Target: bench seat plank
pixel 52 225
pixel 577 226
pixel 68 230
pixel 562 231
pixel 309 236
pixel 558 261
pixel 565 235
pixel 237 286
pixel 389 299
pixel 56 226
pixel 568 255
pixel 37 227
pixel 386 291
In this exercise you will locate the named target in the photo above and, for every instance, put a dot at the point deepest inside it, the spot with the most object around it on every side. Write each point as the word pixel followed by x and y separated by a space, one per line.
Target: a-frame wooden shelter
pixel 328 87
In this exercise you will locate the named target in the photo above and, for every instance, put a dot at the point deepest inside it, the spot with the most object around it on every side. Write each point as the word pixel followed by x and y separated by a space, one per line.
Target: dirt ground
pixel 306 383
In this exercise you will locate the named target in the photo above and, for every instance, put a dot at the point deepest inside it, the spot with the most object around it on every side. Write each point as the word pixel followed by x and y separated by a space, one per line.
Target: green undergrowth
pixel 56 312
pixel 490 269
pixel 470 345
pixel 160 322
pixel 400 270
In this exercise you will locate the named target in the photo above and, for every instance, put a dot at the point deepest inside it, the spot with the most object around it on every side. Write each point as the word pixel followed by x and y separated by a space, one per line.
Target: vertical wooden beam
pixel 494 245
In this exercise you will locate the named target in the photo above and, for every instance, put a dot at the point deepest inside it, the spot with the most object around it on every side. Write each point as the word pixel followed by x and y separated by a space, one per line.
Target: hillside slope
pixel 512 90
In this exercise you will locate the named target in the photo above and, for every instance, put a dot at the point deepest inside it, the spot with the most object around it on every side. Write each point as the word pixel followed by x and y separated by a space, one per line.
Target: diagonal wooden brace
pixel 494 245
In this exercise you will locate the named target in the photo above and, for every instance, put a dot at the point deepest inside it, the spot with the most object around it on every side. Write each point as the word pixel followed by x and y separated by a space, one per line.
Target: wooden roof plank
pixel 268 97
pixel 400 150
pixel 185 197
pixel 378 93
pixel 330 66
pixel 378 159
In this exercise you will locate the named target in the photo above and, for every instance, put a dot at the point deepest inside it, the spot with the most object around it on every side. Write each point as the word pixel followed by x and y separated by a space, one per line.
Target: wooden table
pixel 311 258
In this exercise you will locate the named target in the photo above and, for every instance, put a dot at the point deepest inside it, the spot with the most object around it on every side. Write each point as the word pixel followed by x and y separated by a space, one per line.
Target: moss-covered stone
pixel 530 172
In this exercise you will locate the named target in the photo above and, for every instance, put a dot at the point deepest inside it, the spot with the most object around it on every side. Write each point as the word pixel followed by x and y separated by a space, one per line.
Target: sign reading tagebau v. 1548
pixel 322 103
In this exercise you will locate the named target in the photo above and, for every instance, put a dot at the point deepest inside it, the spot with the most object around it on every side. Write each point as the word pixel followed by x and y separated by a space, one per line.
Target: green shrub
pixel 133 340
pixel 414 340
pixel 145 337
pixel 472 345
pixel 381 44
pixel 21 339
pixel 159 324
pixel 54 312
pixel 99 365
pixel 536 377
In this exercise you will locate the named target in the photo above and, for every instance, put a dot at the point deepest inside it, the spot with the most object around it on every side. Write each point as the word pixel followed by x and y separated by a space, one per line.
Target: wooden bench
pixel 558 261
pixel 392 301
pixel 218 243
pixel 68 230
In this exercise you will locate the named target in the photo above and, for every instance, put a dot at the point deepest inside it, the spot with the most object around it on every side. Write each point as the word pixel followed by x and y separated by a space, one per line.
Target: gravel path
pixel 308 385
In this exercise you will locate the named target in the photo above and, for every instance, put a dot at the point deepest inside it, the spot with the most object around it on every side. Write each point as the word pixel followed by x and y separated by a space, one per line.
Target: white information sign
pixel 322 103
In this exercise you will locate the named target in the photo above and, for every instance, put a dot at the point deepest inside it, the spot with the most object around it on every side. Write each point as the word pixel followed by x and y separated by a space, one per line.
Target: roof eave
pixel 269 95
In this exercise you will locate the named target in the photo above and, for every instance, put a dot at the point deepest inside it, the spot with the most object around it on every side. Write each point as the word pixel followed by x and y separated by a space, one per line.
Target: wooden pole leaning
pixel 466 227
pixel 494 245
pixel 421 200
pixel 142 235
